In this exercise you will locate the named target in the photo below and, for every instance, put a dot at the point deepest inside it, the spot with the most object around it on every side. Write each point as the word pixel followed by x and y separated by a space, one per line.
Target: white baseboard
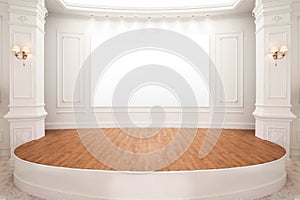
pixel 295 152
pixel 52 126
pixel 4 153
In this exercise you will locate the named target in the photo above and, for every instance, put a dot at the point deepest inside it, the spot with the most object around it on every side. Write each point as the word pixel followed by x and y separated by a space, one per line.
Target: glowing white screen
pixel 151 94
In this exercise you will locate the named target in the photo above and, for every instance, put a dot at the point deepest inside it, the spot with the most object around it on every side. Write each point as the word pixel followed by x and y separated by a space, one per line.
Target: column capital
pixel 27 13
pixel 273 12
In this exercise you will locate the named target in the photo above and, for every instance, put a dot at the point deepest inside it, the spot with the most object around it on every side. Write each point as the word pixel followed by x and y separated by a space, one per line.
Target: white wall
pixel 69 42
pixel 295 51
pixel 4 95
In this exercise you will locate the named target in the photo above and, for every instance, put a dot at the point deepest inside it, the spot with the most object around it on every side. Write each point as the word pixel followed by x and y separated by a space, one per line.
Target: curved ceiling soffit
pixel 74 5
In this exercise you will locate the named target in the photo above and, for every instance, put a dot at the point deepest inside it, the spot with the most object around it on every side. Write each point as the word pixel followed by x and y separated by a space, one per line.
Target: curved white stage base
pixel 67 183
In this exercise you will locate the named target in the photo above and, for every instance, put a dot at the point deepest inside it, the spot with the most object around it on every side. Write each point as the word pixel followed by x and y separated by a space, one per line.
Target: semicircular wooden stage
pixel 240 166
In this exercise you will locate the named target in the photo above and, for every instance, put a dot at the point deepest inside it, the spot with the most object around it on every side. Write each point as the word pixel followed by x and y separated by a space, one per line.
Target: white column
pixel 273 83
pixel 26 107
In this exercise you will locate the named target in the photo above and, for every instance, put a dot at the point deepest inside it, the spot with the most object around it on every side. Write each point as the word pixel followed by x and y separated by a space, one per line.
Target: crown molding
pixel 61 6
pixel 107 8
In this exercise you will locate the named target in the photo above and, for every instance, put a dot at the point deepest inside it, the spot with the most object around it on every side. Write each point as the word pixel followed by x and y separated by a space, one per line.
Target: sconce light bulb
pixel 26 50
pixel 283 49
pixel 16 49
pixel 274 50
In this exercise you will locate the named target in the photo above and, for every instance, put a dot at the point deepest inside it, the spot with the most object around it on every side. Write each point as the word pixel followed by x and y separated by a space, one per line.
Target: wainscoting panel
pixel 229 63
pixel 70 54
pixel 23 135
pixel 277 74
pixel 277 135
pixel 23 81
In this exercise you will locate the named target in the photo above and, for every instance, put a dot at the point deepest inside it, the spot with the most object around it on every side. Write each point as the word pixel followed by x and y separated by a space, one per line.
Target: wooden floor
pixel 234 148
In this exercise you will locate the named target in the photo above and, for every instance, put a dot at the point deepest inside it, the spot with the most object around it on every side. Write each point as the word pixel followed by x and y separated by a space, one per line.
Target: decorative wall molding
pixel 277 135
pixel 22 18
pixel 70 57
pixel 277 87
pixel 149 110
pixel 23 135
pixel 273 28
pixel 295 131
pixel 4 127
pixel 295 153
pixel 23 82
pixel 1 62
pixel 277 18
pixel 297 60
pixel 298 137
pixel 1 137
pixel 26 114
pixel 71 125
pixel 238 115
pixel 229 58
pixel 113 10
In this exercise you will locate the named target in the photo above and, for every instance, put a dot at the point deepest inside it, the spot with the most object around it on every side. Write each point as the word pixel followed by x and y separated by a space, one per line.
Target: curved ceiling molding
pixel 146 6
pixel 149 9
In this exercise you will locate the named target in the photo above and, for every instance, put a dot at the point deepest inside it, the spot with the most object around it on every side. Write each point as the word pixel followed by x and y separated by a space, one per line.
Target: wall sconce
pixel 277 53
pixel 21 53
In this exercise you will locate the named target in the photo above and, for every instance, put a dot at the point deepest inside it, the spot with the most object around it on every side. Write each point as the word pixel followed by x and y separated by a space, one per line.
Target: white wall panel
pixel 297 61
pixel 23 85
pixel 235 51
pixel 1 62
pixel 277 74
pixel 1 136
pixel 23 135
pixel 277 135
pixel 295 131
pixel 70 54
pixel 229 62
pixel 4 56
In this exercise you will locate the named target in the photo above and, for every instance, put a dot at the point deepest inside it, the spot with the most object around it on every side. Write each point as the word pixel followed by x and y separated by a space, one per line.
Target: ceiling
pixel 149 8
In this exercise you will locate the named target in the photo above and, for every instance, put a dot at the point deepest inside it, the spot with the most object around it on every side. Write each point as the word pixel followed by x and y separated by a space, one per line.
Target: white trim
pixel 249 182
pixel 115 9
pixel 5 152
pixel 295 152
pixel 70 125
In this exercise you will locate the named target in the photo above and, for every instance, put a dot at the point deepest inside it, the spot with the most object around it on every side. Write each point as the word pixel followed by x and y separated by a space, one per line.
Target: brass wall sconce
pixel 21 54
pixel 277 53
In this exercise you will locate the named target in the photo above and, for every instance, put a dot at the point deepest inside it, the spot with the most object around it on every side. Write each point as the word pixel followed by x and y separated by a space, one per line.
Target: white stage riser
pixel 50 182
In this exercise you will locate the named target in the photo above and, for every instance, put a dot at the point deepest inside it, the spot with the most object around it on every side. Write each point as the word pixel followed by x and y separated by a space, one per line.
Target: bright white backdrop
pixel 229 42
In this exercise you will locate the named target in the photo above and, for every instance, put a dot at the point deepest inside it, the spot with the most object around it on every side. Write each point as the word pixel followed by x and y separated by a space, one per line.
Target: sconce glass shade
pixel 26 50
pixel 274 50
pixel 283 49
pixel 16 49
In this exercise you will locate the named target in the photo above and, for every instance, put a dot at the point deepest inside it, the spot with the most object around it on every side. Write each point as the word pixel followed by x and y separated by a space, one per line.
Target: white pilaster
pixel 26 109
pixel 273 82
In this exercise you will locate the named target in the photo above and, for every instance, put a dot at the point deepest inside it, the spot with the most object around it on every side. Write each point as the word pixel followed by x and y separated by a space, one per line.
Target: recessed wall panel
pixel 23 87
pixel 229 63
pixel 277 72
pixel 70 59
